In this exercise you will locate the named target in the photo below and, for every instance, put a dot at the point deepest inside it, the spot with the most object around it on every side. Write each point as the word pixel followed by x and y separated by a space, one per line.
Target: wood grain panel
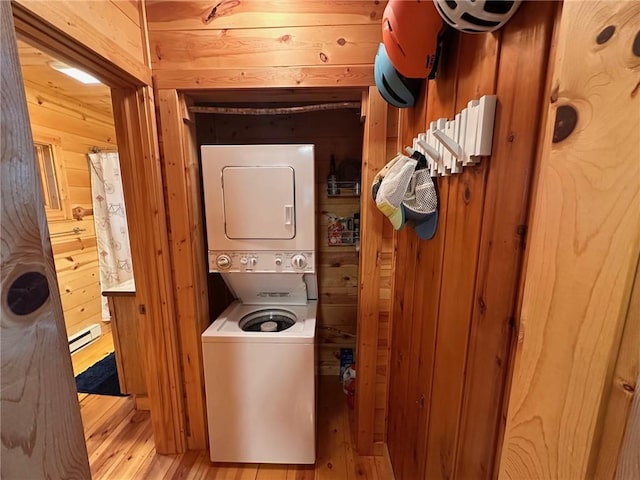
pixel 525 44
pixel 265 47
pixel 423 262
pixel 114 37
pixel 78 243
pixel 182 182
pixel 88 293
pixel 584 247
pixel 67 263
pixel 41 424
pixel 385 301
pixel 478 60
pixel 131 8
pixel 40 115
pixel 126 338
pixel 78 143
pixel 200 15
pixel 82 315
pixel 51 97
pixel 629 459
pixel 136 130
pixel 374 158
pixel 331 76
pixel 623 388
pixel 454 318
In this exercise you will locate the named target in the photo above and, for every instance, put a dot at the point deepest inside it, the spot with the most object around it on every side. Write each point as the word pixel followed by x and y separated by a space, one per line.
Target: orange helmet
pixel 410 34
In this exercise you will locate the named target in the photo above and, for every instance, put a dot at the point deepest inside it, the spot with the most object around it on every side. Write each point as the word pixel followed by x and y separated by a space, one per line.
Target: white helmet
pixel 476 16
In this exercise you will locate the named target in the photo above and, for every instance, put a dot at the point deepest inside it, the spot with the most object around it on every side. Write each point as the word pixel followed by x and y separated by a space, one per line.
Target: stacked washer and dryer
pixel 259 354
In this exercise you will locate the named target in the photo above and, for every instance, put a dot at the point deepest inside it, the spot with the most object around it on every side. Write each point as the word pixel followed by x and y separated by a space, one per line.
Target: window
pixel 47 168
pixel 54 186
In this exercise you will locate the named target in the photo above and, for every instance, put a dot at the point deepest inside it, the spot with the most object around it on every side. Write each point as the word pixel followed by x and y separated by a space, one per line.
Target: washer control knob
pixel 299 261
pixel 278 261
pixel 243 260
pixel 223 261
pixel 253 261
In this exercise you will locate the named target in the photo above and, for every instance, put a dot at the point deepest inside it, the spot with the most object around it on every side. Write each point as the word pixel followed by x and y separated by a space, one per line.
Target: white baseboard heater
pixel 84 336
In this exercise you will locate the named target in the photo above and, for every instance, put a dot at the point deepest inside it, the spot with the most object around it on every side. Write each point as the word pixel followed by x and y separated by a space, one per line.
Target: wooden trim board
pixel 270 77
pixel 375 134
pixel 135 128
pixel 182 183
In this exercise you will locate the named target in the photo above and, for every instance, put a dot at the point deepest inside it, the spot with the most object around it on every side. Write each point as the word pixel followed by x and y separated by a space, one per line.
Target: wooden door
pixel 42 434
pixel 584 248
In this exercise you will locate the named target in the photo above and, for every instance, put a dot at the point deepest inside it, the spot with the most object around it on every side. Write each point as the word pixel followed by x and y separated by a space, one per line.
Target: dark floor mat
pixel 101 378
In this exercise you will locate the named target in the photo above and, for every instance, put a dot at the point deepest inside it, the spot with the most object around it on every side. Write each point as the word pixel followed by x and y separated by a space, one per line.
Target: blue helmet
pixel 395 88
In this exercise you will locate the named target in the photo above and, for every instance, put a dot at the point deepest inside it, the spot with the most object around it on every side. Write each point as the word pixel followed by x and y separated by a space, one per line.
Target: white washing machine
pixel 259 355
pixel 260 385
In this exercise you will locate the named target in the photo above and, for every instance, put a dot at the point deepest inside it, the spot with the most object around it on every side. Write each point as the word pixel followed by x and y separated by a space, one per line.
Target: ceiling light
pixel 75 73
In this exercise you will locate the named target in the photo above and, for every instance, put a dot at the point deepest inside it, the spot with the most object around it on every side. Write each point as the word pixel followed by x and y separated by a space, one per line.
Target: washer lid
pixel 227 327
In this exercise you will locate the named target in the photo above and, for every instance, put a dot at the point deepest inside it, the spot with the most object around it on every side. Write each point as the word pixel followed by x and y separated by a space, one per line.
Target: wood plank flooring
pixel 120 445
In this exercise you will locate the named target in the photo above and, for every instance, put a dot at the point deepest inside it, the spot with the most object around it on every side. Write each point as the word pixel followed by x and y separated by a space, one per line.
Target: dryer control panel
pixel 261 262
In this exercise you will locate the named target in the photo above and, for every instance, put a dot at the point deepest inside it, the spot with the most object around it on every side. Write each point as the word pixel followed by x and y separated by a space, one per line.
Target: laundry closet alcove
pixel 335 133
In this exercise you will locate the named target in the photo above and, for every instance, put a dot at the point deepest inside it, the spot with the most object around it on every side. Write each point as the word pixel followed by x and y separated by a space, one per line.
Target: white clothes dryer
pixel 260 383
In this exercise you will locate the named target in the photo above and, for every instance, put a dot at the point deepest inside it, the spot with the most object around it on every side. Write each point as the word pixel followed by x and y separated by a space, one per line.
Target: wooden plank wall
pixel 332 132
pixel 454 295
pixel 583 251
pixel 114 29
pixel 289 43
pixel 74 127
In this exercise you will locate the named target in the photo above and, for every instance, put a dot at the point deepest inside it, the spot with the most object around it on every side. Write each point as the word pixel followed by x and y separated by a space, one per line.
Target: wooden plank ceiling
pixel 37 73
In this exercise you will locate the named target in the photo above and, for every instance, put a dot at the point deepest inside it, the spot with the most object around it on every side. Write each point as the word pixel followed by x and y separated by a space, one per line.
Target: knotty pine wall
pixel 201 44
pixel 115 29
pixel 455 295
pixel 75 127
pixel 338 132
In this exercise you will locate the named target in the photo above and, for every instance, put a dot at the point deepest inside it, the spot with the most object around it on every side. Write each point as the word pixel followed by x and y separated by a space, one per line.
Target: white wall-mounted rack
pixel 451 145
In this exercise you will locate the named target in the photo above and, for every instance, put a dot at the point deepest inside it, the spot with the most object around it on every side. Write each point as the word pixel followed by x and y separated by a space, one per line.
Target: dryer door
pixel 259 202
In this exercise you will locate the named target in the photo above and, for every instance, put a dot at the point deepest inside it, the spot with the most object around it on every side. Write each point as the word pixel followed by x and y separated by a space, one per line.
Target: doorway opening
pixel 74 138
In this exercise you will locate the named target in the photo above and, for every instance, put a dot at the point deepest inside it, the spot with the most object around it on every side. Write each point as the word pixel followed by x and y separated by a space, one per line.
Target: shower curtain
pixel 110 217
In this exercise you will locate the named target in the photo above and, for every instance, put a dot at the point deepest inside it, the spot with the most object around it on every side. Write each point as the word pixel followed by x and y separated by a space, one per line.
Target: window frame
pixel 55 143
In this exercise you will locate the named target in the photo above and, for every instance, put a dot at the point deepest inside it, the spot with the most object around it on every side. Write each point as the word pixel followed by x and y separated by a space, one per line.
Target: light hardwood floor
pixel 93 352
pixel 120 441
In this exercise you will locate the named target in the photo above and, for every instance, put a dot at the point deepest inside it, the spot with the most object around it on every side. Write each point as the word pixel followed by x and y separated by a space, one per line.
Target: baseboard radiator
pixel 84 336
